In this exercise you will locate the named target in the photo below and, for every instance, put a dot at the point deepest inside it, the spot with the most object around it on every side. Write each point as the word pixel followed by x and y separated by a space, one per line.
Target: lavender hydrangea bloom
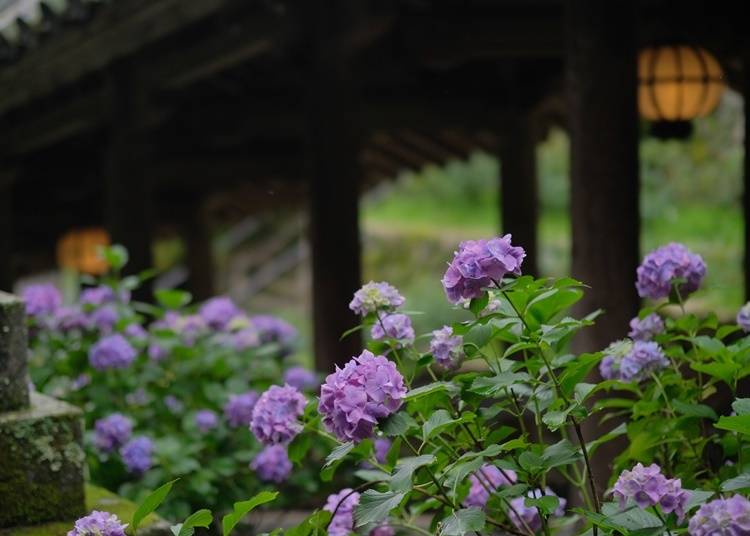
pixel 488 477
pixel 276 414
pixel 98 524
pixel 69 318
pixel 173 404
pixel 272 464
pixel 661 267
pixel 273 329
pixel 647 486
pixel 376 296
pixel 41 300
pixel 447 349
pixel 157 352
pixel 81 381
pixel 206 420
pixel 110 352
pixel 720 517
pixel 342 505
pixel 218 312
pixel 104 318
pixel 524 516
pixel 643 358
pixel 190 327
pixel 395 326
pixel 96 296
pixel 238 411
pixel 136 332
pixel 137 454
pixel 477 263
pixel 743 317
pixel 352 399
pixel 112 432
pixel 644 329
pixel 301 378
pixel 609 367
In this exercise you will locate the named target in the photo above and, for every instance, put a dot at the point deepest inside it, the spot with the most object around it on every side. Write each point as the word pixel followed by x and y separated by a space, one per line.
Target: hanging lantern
pixel 79 250
pixel 678 83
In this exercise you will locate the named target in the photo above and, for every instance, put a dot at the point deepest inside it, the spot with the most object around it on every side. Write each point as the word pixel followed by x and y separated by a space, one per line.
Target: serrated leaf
pixel 694 410
pixel 741 406
pixel 334 459
pixel 739 482
pixel 150 504
pixel 242 508
pixel 491 385
pixel 462 522
pixel 401 479
pixel 374 506
pixel 697 497
pixel 434 387
pixel 437 422
pixel 739 424
pixel 298 448
pixel 561 453
pixel 398 424
pixel 546 503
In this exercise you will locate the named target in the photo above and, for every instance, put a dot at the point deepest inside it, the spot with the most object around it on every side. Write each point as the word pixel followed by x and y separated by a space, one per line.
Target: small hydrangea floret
pixel 670 268
pixel 394 326
pixel 206 420
pixel 276 415
pixel 112 432
pixel 730 516
pixel 111 352
pixel 238 411
pixel 447 349
pixel 301 378
pixel 98 523
pixel 743 317
pixel 374 297
pixel 647 486
pixel 137 454
pixel 272 464
pixel 487 478
pixel 646 328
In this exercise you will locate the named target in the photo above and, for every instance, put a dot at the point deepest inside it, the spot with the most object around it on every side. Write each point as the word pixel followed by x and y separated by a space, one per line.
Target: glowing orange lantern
pixel 79 250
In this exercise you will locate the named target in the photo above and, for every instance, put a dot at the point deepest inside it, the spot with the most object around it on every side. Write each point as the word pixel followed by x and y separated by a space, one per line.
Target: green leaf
pixel 741 406
pixel 577 370
pixel 242 508
pixel 739 424
pixel 479 335
pixel 150 504
pixel 615 432
pixel 299 447
pixel 458 473
pixel 173 298
pixel 317 521
pixel 724 371
pixel 401 479
pixel 739 482
pixel 555 419
pixel 694 410
pixel 462 522
pixel 561 453
pixel 117 257
pixel 697 497
pixel 334 459
pixel 546 503
pixel 437 422
pixel 398 424
pixel 477 305
pixel 201 518
pixel 431 388
pixel 374 506
pixel 530 462
pixel 489 386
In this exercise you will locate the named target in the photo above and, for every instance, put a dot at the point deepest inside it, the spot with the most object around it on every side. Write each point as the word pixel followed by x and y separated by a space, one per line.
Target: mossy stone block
pixel 14 387
pixel 41 463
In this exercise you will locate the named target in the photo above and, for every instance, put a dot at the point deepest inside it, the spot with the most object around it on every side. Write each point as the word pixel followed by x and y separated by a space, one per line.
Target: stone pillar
pixel 41 439
pixel 518 186
pixel 333 162
pixel 601 85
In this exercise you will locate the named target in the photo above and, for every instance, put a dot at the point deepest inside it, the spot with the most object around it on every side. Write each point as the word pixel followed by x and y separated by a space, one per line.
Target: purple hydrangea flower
pixel 273 329
pixel 301 378
pixel 81 381
pixel 113 351
pixel 609 367
pixel 206 420
pixel 722 517
pixel 112 432
pixel 524 516
pixel 477 263
pixel 42 299
pixel 105 318
pixel 173 404
pixel 647 486
pixel 643 358
pixel 218 312
pixel 487 479
pixel 395 326
pixel 376 296
pixel 69 318
pixel 244 339
pixel 98 524
pixel 447 349
pixel 157 352
pixel 238 411
pixel 272 464
pixel 276 414
pixel 136 331
pixel 190 327
pixel 137 454
pixel 644 329
pixel 352 399
pixel 96 296
pixel 660 268
pixel 381 446
pixel 169 321
pixel 743 317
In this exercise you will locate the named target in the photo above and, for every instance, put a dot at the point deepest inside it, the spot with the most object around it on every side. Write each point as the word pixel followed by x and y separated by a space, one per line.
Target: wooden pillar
pixel 601 86
pixel 746 168
pixel 518 186
pixel 7 273
pixel 128 202
pixel 200 258
pixel 333 164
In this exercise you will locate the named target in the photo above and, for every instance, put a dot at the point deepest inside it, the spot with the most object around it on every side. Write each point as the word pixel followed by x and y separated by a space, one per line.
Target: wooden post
pixel 6 231
pixel 200 258
pixel 128 195
pixel 518 186
pixel 334 171
pixel 601 85
pixel 746 168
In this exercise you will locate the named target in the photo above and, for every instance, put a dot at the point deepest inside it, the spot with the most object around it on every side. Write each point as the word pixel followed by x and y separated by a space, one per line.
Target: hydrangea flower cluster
pixel 272 464
pixel 98 524
pixel 647 486
pixel 487 478
pixel 238 411
pixel 352 399
pixel 104 318
pixel 112 432
pixel 743 317
pixel 477 263
pixel 102 294
pixel 42 300
pixel 644 329
pixel 374 297
pixel 218 312
pixel 395 326
pixel 69 318
pixel 137 454
pixel 523 516
pixel 729 516
pixel 301 378
pixel 113 351
pixel 660 268
pixel 276 414
pixel 273 329
pixel 631 361
pixel 447 349
pixel 206 420
pixel 342 505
